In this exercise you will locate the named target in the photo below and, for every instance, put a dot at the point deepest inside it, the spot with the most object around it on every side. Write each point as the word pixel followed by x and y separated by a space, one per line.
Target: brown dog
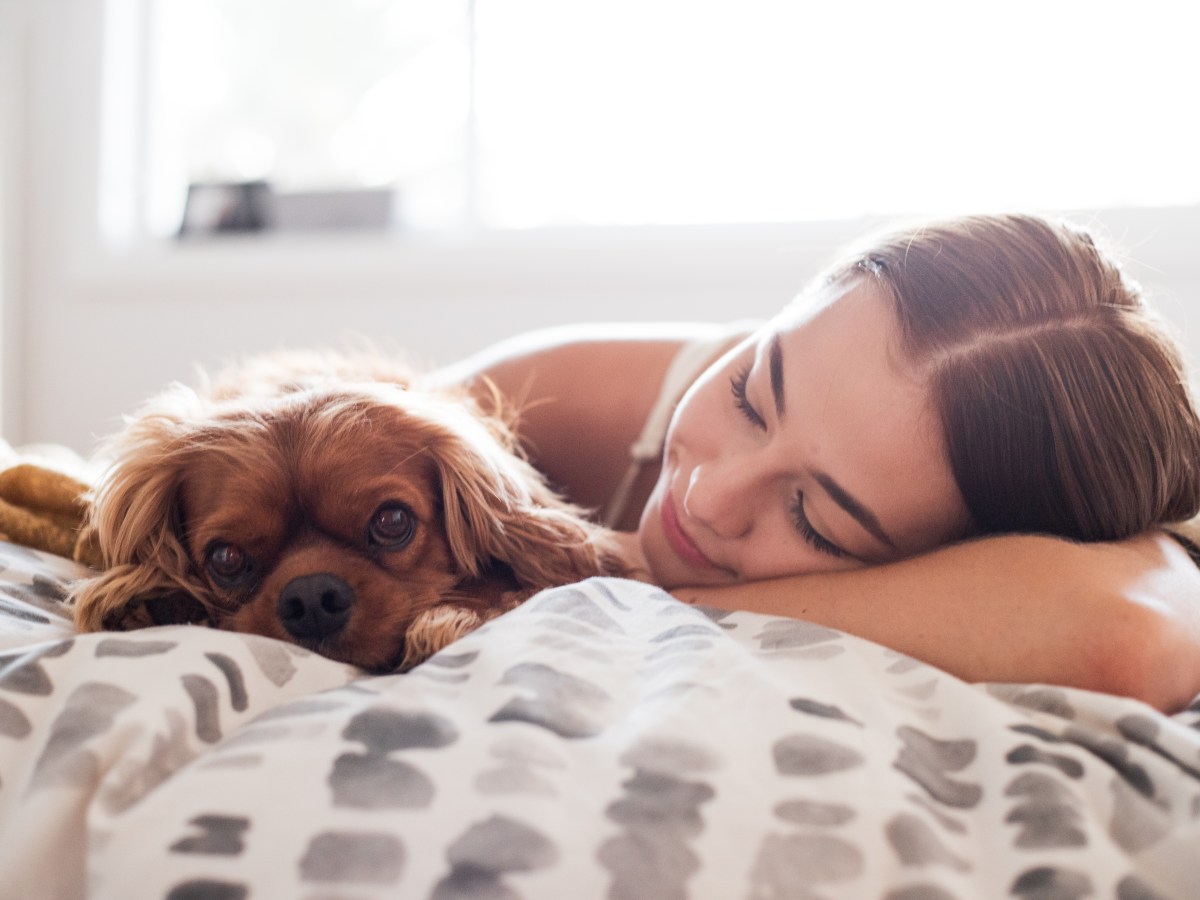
pixel 332 503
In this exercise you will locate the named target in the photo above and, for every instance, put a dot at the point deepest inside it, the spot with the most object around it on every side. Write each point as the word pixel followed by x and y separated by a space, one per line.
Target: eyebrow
pixel 854 507
pixel 843 498
pixel 775 357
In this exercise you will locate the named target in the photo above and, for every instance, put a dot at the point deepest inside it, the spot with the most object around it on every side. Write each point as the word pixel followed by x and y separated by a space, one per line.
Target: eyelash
pixel 737 386
pixel 810 534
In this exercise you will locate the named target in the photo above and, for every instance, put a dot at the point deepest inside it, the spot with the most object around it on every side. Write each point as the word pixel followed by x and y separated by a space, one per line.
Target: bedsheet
pixel 602 740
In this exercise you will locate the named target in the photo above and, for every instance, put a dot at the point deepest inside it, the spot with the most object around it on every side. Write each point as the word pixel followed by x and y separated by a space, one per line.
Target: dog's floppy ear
pixel 133 519
pixel 498 508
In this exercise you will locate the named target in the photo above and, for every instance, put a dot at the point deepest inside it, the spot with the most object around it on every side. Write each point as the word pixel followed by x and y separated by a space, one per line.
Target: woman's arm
pixel 1121 618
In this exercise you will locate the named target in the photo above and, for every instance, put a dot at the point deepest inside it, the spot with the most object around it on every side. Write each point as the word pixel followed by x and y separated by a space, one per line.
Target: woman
pixel 961 443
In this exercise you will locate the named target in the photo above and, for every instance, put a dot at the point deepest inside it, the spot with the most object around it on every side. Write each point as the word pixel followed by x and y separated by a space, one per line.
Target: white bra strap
pixel 691 360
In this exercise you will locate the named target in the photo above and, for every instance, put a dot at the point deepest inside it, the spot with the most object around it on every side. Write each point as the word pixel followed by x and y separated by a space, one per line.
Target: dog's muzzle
pixel 313 607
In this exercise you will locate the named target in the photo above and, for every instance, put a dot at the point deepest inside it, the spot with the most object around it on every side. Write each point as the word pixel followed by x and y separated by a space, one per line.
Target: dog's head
pixel 334 515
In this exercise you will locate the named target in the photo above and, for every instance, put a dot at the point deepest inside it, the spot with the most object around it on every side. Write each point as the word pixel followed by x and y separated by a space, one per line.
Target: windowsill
pixel 483 260
pixel 1158 242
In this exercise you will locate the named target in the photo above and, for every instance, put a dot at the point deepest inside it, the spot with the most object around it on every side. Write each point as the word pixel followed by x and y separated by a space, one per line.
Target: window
pixel 530 113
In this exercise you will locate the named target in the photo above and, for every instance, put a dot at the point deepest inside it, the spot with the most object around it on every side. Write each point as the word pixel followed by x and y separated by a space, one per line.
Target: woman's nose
pixel 719 497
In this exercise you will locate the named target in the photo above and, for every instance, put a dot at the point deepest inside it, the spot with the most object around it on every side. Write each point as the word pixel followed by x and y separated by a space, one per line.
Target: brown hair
pixel 1063 399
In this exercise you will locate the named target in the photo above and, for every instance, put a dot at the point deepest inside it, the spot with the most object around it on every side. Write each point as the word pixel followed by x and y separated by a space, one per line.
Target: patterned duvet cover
pixel 603 741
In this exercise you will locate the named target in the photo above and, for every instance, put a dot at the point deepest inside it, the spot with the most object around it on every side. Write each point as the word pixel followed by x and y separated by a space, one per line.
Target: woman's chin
pixel 669 572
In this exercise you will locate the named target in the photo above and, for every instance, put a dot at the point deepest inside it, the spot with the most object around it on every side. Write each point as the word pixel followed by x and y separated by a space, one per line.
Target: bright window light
pixel 533 113
pixel 310 95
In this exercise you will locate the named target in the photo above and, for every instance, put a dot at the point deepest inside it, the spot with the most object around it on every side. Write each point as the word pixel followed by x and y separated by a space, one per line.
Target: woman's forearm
pixel 1121 618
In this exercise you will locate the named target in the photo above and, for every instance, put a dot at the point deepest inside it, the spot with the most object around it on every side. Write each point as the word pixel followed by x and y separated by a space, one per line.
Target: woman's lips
pixel 679 541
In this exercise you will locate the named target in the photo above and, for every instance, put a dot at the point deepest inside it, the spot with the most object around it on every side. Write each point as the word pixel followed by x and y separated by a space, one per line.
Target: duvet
pixel 603 740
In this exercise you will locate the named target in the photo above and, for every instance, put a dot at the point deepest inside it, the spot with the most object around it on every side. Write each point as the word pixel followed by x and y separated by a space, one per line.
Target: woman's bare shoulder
pixel 584 393
pixel 581 366
pixel 544 350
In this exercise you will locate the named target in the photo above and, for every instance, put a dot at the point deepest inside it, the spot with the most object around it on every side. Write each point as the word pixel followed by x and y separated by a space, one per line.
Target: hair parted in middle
pixel 1063 399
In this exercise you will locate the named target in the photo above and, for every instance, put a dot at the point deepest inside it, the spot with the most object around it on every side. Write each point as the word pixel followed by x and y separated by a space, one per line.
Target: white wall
pixel 12 37
pixel 91 330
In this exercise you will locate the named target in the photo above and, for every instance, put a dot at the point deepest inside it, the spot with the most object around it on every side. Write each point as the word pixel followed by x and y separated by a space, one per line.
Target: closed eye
pixel 818 541
pixel 737 386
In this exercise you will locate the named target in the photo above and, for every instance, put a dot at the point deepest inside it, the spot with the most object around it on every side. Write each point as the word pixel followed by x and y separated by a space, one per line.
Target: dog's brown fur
pixel 291 461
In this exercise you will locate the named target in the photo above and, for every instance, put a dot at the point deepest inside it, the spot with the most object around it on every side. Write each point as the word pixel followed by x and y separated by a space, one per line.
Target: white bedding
pixel 603 740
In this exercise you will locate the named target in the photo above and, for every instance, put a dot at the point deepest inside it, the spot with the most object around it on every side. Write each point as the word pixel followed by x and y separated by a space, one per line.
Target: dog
pixel 333 502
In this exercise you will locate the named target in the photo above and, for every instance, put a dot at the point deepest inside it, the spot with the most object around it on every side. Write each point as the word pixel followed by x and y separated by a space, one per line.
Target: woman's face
pixel 809 447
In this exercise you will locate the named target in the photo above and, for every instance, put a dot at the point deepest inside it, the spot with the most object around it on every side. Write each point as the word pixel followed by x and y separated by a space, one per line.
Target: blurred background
pixel 185 181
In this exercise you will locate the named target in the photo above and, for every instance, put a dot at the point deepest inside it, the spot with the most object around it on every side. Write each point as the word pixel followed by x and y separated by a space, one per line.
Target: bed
pixel 603 740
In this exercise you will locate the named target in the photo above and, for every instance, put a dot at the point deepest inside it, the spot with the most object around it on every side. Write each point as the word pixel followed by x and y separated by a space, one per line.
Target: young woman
pixel 961 443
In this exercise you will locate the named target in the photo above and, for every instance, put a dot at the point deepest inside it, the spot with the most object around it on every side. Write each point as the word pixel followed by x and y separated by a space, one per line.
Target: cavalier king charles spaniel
pixel 331 502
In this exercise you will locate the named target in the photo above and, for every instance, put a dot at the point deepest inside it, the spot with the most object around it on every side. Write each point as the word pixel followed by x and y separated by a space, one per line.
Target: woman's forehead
pixel 853 315
pixel 821 296
pixel 858 410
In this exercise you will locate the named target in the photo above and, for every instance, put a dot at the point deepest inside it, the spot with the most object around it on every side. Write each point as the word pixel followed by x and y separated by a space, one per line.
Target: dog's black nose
pixel 312 607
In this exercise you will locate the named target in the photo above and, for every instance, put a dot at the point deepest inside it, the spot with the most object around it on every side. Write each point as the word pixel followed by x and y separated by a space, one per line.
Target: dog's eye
pixel 227 562
pixel 392 526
